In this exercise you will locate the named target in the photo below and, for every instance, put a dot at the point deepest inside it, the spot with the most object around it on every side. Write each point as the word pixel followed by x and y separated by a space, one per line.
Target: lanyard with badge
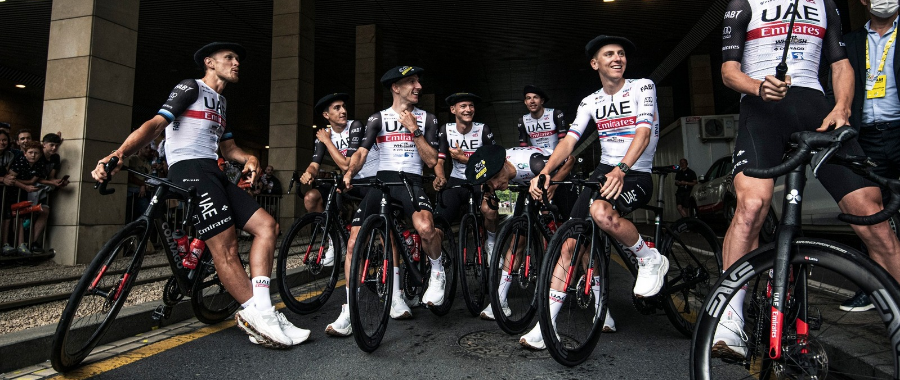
pixel 875 82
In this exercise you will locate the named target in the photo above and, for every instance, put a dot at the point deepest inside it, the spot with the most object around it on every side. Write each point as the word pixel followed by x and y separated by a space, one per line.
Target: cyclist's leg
pixel 754 195
pixel 313 200
pixel 879 238
pixel 491 216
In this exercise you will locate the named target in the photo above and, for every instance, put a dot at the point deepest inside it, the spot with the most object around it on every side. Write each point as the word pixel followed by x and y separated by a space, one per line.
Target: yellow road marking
pixel 126 358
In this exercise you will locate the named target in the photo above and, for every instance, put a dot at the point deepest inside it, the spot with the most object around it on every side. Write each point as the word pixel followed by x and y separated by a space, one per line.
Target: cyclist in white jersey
pixel 753 42
pixel 194 121
pixel 540 127
pixel 458 141
pixel 625 115
pixel 406 138
pixel 338 141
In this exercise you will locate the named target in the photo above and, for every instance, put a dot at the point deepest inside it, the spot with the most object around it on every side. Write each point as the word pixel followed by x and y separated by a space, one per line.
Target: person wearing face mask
pixel 875 110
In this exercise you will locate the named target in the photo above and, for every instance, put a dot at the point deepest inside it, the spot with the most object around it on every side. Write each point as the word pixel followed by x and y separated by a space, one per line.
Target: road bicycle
pixel 695 262
pixel 791 325
pixel 104 287
pixel 371 270
pixel 471 258
pixel 306 278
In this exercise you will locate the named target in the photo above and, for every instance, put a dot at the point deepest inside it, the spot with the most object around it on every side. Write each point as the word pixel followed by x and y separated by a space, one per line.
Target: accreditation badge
pixel 877 90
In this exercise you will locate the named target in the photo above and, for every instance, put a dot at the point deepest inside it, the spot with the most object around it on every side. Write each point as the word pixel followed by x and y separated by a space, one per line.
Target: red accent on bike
pixel 775 334
pixel 319 257
pixel 590 277
pixel 650 244
pixel 384 272
pixel 308 250
pixel 479 256
pixel 802 335
pixel 99 276
pixel 121 286
pixel 365 270
pixel 568 277
pixel 527 264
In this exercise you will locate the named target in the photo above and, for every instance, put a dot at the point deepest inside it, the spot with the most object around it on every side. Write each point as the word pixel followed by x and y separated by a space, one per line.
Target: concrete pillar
pixel 88 96
pixel 702 97
pixel 291 102
pixel 368 90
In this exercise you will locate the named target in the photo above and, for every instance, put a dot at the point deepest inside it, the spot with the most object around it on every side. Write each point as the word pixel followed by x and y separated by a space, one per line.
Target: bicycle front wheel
pixel 309 263
pixel 575 266
pixel 838 343
pixel 210 300
pixel 448 254
pixel 371 280
pixel 98 296
pixel 514 272
pixel 695 263
pixel 472 265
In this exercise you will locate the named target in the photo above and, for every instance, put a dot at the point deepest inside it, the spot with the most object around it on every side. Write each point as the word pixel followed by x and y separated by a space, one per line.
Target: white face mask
pixel 883 8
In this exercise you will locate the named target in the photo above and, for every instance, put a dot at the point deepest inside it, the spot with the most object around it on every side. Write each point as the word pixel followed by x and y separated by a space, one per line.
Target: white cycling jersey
pixel 196 116
pixel 528 160
pixel 347 142
pixel 617 117
pixel 396 148
pixel 543 132
pixel 450 137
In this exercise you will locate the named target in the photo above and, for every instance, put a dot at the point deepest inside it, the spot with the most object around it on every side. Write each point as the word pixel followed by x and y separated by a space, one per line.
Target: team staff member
pixel 458 141
pixel 194 121
pixel 407 138
pixel 875 110
pixel 337 139
pixel 771 110
pixel 540 127
pixel 625 115
pixel 685 179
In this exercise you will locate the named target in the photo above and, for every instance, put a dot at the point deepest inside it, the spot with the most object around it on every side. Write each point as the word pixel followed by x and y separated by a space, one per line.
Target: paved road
pixel 454 346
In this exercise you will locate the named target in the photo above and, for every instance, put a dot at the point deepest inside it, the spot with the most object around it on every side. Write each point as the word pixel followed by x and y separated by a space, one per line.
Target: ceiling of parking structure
pixel 492 48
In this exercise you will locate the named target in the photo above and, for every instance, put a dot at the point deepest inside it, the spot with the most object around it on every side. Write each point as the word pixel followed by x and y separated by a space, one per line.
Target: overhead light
pixel 267 147
pixel 608 1
pixel 18 85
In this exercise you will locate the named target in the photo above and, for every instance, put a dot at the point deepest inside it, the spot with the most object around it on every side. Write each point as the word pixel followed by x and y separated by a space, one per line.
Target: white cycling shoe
pixel 328 260
pixel 341 327
pixel 263 326
pixel 434 295
pixel 651 274
pixel 488 312
pixel 399 308
pixel 296 334
pixel 730 339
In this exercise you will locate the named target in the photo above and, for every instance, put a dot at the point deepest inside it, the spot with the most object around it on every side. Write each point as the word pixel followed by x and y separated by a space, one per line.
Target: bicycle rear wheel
pixel 841 344
pixel 98 296
pixel 521 259
pixel 210 300
pixel 695 263
pixel 448 255
pixel 472 264
pixel 575 262
pixel 370 283
pixel 305 282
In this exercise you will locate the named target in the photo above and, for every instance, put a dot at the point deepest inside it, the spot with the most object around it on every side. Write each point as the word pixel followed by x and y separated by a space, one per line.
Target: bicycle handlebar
pixel 190 193
pixel 818 148
pixel 377 183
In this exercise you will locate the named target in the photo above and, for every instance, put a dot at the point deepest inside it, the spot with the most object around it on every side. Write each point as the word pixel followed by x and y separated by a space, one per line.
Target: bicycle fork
pixel 794 182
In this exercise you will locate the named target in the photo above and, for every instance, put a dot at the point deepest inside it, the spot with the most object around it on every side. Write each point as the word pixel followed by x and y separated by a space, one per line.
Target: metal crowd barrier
pixel 21 212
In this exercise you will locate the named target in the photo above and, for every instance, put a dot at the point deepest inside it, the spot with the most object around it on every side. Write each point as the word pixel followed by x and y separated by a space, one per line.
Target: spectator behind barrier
pixel 8 194
pixel 26 173
pixel 24 135
pixel 269 184
pixel 52 162
pixel 685 179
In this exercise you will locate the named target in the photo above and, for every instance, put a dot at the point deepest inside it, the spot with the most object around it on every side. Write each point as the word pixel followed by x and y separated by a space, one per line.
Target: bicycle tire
pixel 472 266
pixel 831 261
pixel 104 295
pixel 578 324
pixel 695 263
pixel 521 297
pixel 370 297
pixel 448 259
pixel 303 282
pixel 210 300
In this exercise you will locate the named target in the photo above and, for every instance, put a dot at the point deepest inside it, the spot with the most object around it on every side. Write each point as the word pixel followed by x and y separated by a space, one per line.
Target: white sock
pixel 491 237
pixel 247 304
pixel 595 287
pixel 556 303
pixel 261 298
pixel 396 281
pixel 436 265
pixel 640 249
pixel 736 305
pixel 505 282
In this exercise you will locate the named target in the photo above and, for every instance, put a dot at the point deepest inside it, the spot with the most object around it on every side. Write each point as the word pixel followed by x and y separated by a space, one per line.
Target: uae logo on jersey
pixel 796 55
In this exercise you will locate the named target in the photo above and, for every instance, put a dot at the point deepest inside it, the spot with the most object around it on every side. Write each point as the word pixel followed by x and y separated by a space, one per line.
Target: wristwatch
pixel 417 132
pixel 624 167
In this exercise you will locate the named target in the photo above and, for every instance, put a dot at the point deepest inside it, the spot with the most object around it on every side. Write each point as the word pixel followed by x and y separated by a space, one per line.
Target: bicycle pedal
pixel 161 312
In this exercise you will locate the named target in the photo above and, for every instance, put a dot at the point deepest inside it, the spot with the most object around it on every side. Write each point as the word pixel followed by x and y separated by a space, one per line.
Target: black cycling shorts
pixel 456 201
pixel 563 198
pixel 371 203
pixel 637 190
pixel 222 204
pixel 764 134
pixel 325 188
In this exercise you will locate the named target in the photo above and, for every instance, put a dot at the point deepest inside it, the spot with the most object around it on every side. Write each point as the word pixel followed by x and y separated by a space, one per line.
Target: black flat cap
pixel 399 73
pixel 462 96
pixel 485 163
pixel 532 89
pixel 602 40
pixel 326 101
pixel 213 47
